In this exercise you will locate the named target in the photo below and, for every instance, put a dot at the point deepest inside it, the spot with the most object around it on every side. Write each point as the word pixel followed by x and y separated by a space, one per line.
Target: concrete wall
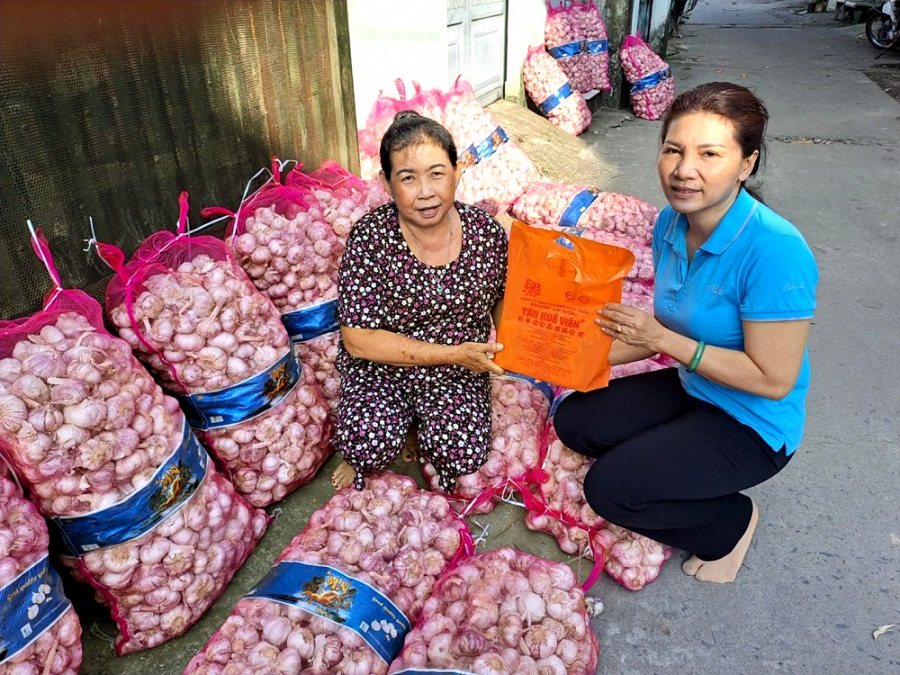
pixel 525 28
pixel 396 38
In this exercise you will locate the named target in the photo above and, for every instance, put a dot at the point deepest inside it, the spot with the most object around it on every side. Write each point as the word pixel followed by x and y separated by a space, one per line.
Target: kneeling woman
pixel 734 296
pixel 419 281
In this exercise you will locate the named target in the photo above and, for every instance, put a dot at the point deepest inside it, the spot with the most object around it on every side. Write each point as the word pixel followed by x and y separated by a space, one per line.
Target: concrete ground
pixel 823 572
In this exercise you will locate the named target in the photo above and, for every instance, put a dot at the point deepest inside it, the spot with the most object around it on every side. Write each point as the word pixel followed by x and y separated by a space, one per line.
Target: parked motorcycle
pixel 883 25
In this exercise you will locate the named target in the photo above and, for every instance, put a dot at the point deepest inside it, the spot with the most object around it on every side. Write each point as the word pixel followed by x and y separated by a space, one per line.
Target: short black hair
pixel 409 128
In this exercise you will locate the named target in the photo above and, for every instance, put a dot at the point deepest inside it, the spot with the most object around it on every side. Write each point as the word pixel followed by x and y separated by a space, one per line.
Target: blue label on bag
pixel 579 47
pixel 559 399
pixel 431 671
pixel 175 481
pixel 32 603
pixel 476 153
pixel 651 80
pixel 341 599
pixel 597 46
pixel 247 399
pixel 311 322
pixel 576 207
pixel 554 100
pixel 546 389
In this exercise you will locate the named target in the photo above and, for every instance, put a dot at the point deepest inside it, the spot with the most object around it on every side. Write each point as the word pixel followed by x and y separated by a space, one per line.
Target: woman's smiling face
pixel 701 168
pixel 423 184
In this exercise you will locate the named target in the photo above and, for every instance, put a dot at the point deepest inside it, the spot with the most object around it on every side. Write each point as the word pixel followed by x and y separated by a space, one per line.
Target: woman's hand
pixel 478 357
pixel 632 326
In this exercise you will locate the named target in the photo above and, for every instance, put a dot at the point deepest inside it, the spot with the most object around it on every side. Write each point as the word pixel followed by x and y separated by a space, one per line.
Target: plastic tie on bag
pixel 507 496
pixel 482 536
pixel 651 80
pixel 555 99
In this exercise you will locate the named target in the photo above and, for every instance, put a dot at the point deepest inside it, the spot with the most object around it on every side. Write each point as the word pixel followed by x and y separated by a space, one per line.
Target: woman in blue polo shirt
pixel 734 296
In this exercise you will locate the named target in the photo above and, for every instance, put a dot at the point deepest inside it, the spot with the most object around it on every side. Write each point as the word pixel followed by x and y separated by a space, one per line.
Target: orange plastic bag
pixel 555 284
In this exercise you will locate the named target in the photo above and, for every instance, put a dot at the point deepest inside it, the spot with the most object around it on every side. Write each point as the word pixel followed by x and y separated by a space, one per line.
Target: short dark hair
pixel 409 128
pixel 740 106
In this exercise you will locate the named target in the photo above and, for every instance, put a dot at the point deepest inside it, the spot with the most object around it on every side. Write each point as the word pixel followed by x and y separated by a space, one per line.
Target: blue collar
pixel 727 231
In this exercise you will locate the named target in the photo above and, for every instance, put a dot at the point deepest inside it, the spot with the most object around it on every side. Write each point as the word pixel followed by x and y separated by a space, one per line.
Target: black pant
pixel 669 466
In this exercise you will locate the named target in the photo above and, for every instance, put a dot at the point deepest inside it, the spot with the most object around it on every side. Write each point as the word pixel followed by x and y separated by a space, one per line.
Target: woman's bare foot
pixel 342 476
pixel 410 451
pixel 724 570
pixel 691 565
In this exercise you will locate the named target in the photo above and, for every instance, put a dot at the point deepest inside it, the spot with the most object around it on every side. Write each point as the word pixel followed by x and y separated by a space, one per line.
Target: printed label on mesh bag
pixel 311 322
pixel 340 599
pixel 175 481
pixel 253 396
pixel 32 603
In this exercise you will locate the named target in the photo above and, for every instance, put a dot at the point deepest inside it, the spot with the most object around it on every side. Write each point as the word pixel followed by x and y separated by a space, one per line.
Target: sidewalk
pixel 823 570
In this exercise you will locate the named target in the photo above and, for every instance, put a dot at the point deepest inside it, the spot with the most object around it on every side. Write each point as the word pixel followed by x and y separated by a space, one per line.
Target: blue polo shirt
pixel 755 266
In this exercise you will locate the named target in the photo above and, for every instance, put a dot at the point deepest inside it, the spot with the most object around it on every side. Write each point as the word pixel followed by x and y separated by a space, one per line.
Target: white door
pixel 477 45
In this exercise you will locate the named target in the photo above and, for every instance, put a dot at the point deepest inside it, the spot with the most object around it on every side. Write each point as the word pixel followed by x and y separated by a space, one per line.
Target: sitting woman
pixel 734 296
pixel 419 281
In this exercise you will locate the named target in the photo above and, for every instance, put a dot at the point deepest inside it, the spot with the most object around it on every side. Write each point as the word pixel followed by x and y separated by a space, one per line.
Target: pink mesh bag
pixel 109 460
pixel 495 170
pixel 652 87
pixel 519 409
pixel 575 36
pixel 503 612
pixel 343 594
pixel 215 342
pixel 560 509
pixel 39 631
pixel 282 239
pixel 550 90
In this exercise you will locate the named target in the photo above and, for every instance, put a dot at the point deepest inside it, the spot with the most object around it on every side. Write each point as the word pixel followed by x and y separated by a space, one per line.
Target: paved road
pixel 824 569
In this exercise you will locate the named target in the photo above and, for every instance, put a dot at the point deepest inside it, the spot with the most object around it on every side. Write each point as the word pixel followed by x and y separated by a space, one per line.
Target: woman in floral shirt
pixel 420 280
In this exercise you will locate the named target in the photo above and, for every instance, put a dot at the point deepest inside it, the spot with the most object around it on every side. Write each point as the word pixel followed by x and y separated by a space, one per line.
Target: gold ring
pixel 618 328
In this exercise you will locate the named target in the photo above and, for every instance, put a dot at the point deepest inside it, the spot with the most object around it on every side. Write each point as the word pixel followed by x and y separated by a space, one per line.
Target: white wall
pixel 396 38
pixel 525 28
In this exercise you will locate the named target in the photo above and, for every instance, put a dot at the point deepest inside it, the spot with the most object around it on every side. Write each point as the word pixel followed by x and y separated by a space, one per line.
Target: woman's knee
pixel 578 430
pixel 611 493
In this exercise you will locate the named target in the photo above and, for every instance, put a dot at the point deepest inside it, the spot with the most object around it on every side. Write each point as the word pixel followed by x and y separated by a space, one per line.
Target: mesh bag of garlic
pixel 194 317
pixel 110 461
pixel 503 612
pixel 564 206
pixel 343 199
pixel 344 593
pixel 519 409
pixel 548 87
pixel 282 240
pixel 495 170
pixel 379 119
pixel 575 36
pixel 39 631
pixel 652 89
pixel 562 511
